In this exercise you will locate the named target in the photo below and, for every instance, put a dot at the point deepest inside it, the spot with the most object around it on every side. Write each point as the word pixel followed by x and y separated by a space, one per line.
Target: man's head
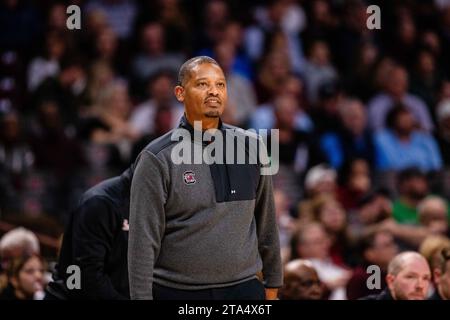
pixel 285 111
pixel 433 214
pixel 202 89
pixel 353 116
pixel 401 120
pixel 16 243
pixel 301 282
pixel 311 242
pixel 442 274
pixel 412 184
pixel 397 82
pixel 378 247
pixel 408 276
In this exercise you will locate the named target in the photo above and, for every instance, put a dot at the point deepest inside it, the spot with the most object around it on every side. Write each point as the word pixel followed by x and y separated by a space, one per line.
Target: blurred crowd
pixel 363 118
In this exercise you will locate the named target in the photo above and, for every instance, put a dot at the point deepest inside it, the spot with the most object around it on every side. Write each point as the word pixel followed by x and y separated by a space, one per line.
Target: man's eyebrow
pixel 205 78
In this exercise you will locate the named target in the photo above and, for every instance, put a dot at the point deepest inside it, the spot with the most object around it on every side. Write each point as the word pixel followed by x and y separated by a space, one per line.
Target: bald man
pixel 408 278
pixel 301 282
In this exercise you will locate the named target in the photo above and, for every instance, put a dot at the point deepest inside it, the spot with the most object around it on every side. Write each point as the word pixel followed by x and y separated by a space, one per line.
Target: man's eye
pixel 221 85
pixel 202 84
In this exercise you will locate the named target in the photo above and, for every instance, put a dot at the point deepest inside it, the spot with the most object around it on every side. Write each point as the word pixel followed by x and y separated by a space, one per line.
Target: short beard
pixel 212 114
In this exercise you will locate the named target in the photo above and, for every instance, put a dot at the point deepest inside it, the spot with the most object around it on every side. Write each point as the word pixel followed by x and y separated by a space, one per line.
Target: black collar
pixel 184 123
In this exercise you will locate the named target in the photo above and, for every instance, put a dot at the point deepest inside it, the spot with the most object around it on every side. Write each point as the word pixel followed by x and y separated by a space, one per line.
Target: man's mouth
pixel 212 101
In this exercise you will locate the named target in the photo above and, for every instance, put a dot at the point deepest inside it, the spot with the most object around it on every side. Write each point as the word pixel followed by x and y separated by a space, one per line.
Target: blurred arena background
pixel 364 115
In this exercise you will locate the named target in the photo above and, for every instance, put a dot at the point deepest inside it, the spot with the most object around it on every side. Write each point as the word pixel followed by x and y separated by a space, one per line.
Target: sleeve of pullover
pixel 267 231
pixel 147 223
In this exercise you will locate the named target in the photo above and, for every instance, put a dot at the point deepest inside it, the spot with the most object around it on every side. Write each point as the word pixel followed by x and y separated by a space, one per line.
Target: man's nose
pixel 421 284
pixel 213 90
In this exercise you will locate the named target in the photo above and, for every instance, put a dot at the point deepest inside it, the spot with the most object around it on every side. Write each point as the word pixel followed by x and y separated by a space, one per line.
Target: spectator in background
pixel 311 242
pixel 318 69
pixel 402 43
pixel 352 139
pixel 16 162
pixel 68 88
pixel 172 15
pixel 160 95
pixel 401 145
pixel 360 81
pixel 16 243
pixel 215 16
pixel 57 18
pixel 154 56
pixel 241 95
pixel 431 249
pixel 163 123
pixel 325 113
pixel 274 68
pixel 373 208
pixel 15 154
pixel 408 278
pixel 320 179
pixel 354 183
pixel 101 75
pixel 286 223
pixel 433 214
pixel 264 115
pixel 58 160
pixel 301 282
pixel 298 150
pixel 413 188
pixel 377 248
pixel 120 14
pixel 107 50
pixel 25 279
pixel 279 21
pixel 443 133
pixel 426 79
pixel 330 214
pixel 442 276
pixel 395 92
pixel 55 150
pixel 47 65
pixel 113 111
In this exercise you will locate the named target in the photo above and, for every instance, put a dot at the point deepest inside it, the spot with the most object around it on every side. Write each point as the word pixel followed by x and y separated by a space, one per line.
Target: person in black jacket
pixel 96 240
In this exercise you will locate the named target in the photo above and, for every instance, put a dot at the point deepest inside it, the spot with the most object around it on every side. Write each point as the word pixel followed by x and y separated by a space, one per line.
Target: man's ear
pixel 179 93
pixel 390 281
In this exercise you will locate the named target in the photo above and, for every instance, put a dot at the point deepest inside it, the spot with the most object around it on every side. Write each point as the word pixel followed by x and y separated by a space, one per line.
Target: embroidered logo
pixel 189 177
pixel 125 225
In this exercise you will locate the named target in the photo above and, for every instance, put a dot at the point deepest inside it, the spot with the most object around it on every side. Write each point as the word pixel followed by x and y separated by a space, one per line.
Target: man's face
pixel 443 281
pixel 416 188
pixel 304 284
pixel 205 92
pixel 412 282
pixel 384 250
